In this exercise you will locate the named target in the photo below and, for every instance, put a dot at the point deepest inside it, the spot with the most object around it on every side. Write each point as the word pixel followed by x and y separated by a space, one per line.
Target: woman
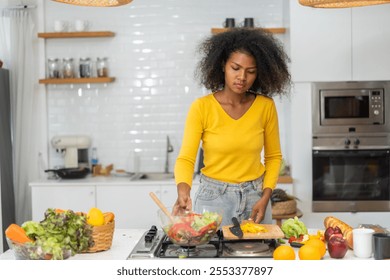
pixel 235 122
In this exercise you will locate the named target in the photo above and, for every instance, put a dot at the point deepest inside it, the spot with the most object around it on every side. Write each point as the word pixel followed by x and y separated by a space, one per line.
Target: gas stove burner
pixel 247 249
pixel 201 251
pixel 187 252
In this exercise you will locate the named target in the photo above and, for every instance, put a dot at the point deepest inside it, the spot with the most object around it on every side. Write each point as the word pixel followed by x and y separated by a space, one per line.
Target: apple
pixel 337 246
pixel 330 231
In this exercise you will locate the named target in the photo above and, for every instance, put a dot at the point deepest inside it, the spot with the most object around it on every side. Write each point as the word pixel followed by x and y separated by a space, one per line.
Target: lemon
pixel 95 217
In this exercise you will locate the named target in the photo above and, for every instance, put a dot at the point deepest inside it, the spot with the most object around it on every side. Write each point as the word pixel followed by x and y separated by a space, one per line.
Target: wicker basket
pixel 102 237
pixel 284 207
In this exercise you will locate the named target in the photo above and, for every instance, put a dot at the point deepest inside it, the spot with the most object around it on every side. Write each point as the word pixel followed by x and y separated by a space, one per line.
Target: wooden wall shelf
pixel 285 180
pixel 89 34
pixel 78 80
pixel 276 30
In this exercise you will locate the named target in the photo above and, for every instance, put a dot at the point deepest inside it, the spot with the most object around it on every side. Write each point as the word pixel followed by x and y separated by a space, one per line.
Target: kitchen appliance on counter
pixel 74 149
pixel 155 244
pixel 351 146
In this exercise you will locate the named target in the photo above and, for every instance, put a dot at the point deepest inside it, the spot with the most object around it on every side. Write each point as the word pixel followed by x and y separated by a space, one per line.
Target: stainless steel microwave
pixel 350 107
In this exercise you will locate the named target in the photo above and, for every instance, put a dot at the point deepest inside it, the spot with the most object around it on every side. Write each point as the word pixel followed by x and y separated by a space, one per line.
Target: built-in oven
pixel 351 180
pixel 350 147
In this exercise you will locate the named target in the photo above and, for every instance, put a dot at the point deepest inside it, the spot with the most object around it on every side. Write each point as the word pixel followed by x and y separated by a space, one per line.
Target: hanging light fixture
pixel 341 3
pixel 95 3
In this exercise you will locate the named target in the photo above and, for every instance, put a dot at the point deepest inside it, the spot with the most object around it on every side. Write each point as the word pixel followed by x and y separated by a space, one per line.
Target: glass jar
pixel 53 65
pixel 85 67
pixel 68 68
pixel 102 67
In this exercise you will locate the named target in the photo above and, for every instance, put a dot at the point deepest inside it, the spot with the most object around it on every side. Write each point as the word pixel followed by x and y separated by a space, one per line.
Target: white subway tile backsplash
pixel 153 57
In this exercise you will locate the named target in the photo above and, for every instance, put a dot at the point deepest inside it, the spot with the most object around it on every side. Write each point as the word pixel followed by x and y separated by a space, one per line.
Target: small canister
pixel 381 246
pixel 85 67
pixel 102 67
pixel 53 65
pixel 68 68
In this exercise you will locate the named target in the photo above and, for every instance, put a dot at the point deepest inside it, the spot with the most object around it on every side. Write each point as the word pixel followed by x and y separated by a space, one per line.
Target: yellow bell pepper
pixel 251 227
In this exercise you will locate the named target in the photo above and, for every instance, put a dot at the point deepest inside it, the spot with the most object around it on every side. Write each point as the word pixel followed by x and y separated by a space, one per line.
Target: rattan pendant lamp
pixel 95 3
pixel 341 3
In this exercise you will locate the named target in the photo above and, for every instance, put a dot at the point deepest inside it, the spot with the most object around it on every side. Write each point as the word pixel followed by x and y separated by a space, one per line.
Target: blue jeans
pixel 236 200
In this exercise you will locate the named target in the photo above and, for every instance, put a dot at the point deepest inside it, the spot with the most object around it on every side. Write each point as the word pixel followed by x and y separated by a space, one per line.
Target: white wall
pixel 153 58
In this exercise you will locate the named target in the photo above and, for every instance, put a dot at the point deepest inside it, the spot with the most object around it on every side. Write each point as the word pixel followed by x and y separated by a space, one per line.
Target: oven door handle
pixel 351 153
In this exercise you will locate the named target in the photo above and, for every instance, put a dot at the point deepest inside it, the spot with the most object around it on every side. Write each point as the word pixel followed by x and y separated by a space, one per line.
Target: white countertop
pixel 124 241
pixel 100 180
pixel 122 244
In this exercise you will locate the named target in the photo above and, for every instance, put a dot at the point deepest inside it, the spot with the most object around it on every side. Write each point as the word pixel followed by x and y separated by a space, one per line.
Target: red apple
pixel 337 246
pixel 330 231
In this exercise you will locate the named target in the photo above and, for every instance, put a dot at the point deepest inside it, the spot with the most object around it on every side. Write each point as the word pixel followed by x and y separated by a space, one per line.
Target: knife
pixel 236 229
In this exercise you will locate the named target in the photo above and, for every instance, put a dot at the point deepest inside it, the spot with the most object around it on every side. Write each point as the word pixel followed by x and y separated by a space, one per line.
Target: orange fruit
pixel 284 252
pixel 319 244
pixel 108 217
pixel 309 252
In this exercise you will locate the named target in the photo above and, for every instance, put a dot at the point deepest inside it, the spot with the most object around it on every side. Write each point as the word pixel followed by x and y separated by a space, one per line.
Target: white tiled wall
pixel 152 58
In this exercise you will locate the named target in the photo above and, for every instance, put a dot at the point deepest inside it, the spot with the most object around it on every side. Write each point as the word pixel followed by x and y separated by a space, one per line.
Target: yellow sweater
pixel 232 148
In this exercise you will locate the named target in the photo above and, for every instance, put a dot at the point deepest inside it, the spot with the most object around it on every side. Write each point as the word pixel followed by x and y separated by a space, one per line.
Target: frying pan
pixel 70 173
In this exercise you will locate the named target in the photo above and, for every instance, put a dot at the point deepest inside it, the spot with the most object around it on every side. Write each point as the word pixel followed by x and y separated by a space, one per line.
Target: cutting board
pixel 273 232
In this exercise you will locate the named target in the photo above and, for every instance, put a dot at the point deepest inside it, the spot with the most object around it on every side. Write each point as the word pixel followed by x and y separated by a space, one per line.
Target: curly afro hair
pixel 273 76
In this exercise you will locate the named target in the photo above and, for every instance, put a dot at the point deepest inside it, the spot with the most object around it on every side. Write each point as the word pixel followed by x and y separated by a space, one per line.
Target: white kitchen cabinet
pixel 340 44
pixel 75 197
pixel 371 43
pixel 132 205
pixel 320 43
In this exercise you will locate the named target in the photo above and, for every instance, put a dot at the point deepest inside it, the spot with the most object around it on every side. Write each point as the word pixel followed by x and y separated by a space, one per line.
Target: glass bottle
pixel 102 67
pixel 68 68
pixel 54 68
pixel 85 67
pixel 94 158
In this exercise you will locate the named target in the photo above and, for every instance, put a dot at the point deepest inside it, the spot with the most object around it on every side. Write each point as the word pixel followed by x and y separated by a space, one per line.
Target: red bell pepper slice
pixel 206 228
pixel 182 230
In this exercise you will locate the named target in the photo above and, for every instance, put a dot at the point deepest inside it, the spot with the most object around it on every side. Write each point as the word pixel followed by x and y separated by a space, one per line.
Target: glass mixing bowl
pixel 30 251
pixel 190 229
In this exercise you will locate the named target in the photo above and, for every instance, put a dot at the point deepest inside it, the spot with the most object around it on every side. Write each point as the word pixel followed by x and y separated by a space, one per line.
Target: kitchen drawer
pixel 77 198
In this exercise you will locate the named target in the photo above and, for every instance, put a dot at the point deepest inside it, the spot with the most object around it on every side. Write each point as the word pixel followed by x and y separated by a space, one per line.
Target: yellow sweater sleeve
pixel 232 148
pixel 185 163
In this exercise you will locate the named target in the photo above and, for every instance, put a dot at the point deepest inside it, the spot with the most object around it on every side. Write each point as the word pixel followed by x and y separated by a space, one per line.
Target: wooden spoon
pixel 161 205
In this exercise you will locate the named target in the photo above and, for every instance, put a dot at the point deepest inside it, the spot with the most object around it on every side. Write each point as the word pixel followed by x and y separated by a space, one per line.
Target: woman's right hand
pixel 183 202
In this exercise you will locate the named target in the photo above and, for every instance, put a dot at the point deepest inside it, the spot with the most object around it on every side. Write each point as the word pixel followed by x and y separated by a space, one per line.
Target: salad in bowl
pixel 189 228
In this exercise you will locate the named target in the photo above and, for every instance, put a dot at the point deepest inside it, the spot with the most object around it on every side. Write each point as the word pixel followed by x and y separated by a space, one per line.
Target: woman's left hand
pixel 258 211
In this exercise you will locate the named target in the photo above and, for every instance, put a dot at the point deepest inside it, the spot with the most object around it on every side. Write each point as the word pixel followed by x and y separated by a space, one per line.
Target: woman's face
pixel 240 72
